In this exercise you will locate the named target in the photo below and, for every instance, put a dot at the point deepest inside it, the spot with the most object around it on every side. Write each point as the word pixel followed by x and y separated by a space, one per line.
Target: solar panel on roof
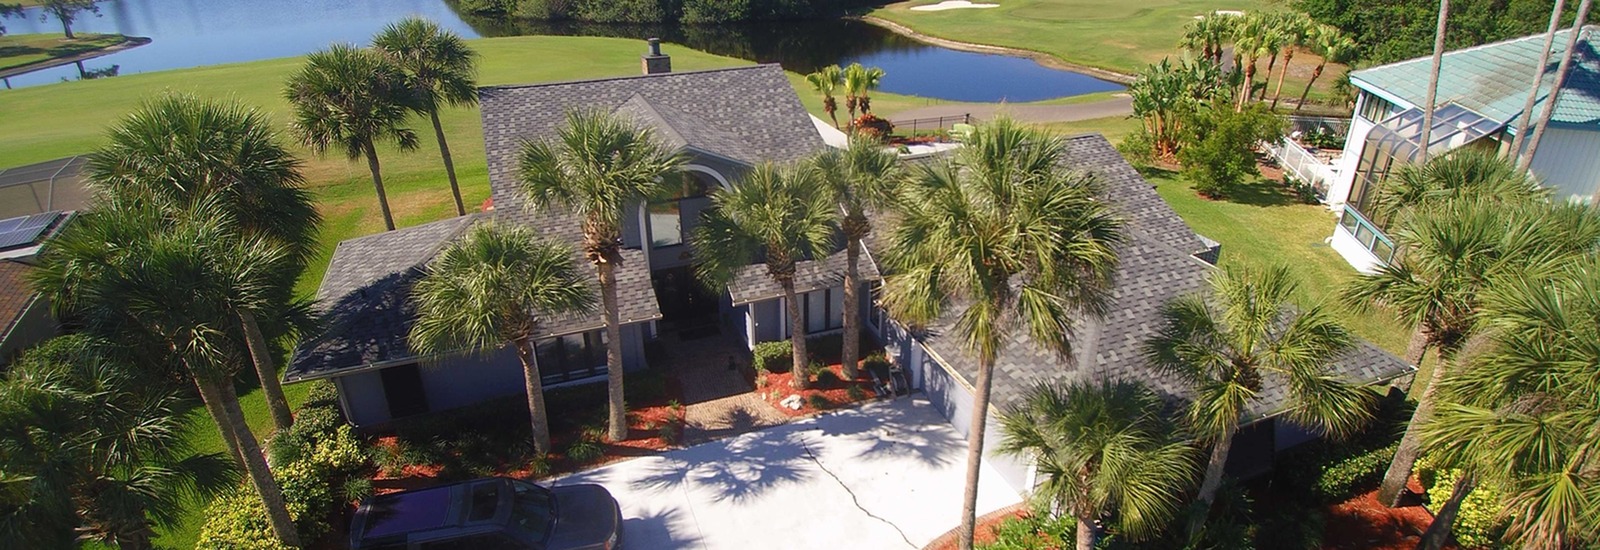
pixel 25 230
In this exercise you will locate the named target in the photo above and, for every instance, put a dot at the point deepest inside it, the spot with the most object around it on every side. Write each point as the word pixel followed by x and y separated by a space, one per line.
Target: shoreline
pixel 127 43
pixel 1039 57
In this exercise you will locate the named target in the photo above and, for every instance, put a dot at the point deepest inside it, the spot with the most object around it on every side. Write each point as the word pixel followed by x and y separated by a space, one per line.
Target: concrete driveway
pixel 883 476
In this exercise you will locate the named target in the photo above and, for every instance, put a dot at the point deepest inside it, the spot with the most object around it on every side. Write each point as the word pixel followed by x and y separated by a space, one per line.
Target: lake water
pixel 190 33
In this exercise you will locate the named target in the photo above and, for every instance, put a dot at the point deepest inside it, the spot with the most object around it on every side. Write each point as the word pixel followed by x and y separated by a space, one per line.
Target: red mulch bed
pixel 1363 523
pixel 780 385
pixel 985 531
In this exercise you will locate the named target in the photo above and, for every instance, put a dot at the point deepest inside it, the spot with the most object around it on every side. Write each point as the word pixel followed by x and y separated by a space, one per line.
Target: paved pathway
pixel 1118 106
pixel 887 475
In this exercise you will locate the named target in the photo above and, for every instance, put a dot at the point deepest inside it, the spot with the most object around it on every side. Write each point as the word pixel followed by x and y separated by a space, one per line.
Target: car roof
pixel 410 511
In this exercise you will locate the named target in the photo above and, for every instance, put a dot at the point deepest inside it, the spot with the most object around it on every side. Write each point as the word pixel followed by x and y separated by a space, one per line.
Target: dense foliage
pixel 1393 30
pixel 1222 151
pixel 659 11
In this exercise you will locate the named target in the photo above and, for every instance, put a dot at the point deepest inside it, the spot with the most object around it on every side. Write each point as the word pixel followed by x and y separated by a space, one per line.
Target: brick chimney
pixel 656 62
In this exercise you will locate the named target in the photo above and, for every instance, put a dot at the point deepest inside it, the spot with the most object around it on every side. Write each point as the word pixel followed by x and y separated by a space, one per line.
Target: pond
pixel 188 33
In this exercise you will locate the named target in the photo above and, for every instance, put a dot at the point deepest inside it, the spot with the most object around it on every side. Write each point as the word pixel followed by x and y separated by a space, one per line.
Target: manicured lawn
pixel 1262 227
pixel 1114 128
pixel 17 50
pixel 1116 35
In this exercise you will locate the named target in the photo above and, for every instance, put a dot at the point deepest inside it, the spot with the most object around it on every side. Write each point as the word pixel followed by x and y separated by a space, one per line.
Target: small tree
pixel 1223 153
pixel 826 81
pixel 491 289
pixel 67 11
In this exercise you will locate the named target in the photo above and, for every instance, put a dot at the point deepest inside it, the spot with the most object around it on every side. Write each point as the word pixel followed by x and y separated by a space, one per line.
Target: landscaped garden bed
pixel 494 438
pixel 828 388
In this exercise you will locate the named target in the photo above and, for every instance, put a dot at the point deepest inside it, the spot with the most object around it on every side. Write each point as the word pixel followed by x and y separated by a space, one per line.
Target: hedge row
pixel 312 462
pixel 659 11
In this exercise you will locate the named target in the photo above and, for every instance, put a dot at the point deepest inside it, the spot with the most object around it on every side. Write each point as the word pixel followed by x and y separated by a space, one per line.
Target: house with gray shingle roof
pixel 1480 97
pixel 726 121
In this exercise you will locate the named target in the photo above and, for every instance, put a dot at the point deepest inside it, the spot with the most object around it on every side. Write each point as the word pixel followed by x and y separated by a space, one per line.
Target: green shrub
pixel 356 489
pixel 308 495
pixel 584 450
pixel 1478 522
pixel 621 11
pixel 237 521
pixel 668 433
pixel 855 393
pixel 1034 530
pixel 825 376
pixel 773 356
pixel 818 401
pixel 542 9
pixel 322 394
pixel 1222 151
pixel 704 12
pixel 317 420
pixel 825 349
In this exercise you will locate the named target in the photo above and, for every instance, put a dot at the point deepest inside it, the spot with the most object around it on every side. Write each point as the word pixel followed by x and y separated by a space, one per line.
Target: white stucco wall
pixel 1568 162
pixel 954 400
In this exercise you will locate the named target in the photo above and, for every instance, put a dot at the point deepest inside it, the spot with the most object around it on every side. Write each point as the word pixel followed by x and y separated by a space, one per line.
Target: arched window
pixel 667 215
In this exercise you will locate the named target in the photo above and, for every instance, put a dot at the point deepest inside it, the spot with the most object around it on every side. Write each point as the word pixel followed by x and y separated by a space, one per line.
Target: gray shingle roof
pixel 1156 264
pixel 1493 79
pixel 366 298
pixel 752 284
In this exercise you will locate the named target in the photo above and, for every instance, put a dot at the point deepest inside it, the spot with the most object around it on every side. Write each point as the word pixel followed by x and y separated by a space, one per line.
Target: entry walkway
pixel 888 475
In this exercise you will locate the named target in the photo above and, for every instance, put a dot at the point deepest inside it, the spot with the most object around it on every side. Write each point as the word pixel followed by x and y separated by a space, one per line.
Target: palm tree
pixel 1525 116
pixel 1207 35
pixel 169 282
pixel 1227 345
pixel 1102 450
pixel 1524 413
pixel 493 288
pixel 864 177
pixel 1433 82
pixel 441 70
pixel 105 445
pixel 1251 40
pixel 1461 174
pixel 780 216
pixel 1331 46
pixel 1277 33
pixel 826 81
pixel 859 81
pixel 351 98
pixel 179 150
pixel 1007 243
pixel 1298 30
pixel 1555 89
pixel 1454 251
pixel 599 167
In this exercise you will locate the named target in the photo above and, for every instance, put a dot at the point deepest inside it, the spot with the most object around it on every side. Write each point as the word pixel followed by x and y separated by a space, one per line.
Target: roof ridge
pixel 655 112
pixel 628 77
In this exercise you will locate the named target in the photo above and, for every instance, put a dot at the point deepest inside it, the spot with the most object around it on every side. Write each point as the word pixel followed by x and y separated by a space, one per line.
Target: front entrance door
pixel 402 388
pixel 686 304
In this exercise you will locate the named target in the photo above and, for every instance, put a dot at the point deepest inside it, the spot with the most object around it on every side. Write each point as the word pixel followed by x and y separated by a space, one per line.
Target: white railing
pixel 1302 165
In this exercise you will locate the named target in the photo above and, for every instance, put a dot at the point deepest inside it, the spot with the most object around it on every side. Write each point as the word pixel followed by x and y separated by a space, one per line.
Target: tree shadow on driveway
pixel 736 469
pixel 896 430
pixel 662 528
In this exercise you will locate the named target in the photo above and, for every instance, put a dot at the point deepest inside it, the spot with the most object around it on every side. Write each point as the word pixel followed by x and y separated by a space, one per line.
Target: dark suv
pixel 489 514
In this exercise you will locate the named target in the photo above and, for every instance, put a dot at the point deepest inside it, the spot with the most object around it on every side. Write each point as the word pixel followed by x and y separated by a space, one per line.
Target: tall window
pixel 824 310
pixel 1375 109
pixel 666 215
pixel 572 356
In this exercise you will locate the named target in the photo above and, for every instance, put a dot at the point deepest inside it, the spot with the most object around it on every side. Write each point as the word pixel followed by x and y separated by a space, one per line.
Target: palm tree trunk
pixel 223 404
pixel 1399 472
pixel 618 421
pixel 534 385
pixel 449 165
pixel 1085 532
pixel 1555 90
pixel 1538 78
pixel 1213 480
pixel 1417 347
pixel 797 337
pixel 1314 74
pixel 850 352
pixel 979 423
pixel 1433 88
pixel 1249 86
pixel 266 371
pixel 1267 81
pixel 1438 532
pixel 1288 55
pixel 377 182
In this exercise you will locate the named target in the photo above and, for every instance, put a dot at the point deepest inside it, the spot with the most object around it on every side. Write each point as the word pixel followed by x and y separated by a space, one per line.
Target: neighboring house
pixel 1480 97
pixel 725 121
pixel 25 317
pixel 1161 259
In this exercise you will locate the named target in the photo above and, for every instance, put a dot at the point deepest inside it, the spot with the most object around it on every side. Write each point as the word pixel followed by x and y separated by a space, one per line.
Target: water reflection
pixel 189 33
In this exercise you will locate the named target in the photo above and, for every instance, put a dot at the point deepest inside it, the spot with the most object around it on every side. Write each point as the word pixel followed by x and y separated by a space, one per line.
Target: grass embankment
pixel 17 50
pixel 1115 35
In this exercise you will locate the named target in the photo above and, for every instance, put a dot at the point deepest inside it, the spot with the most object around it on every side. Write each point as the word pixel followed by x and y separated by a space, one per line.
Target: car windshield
pixel 533 510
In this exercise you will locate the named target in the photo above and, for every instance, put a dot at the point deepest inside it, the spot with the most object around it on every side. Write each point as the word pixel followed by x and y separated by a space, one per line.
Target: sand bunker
pixel 953 5
pixel 1218 12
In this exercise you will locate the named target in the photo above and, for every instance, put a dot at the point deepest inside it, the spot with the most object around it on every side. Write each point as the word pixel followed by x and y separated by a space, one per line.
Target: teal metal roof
pixel 1493 79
